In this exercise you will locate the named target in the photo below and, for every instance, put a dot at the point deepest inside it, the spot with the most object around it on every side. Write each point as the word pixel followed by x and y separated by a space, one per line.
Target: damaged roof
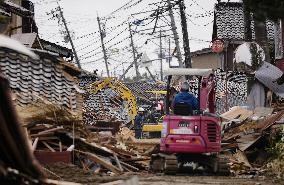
pixel 229 22
pixel 9 6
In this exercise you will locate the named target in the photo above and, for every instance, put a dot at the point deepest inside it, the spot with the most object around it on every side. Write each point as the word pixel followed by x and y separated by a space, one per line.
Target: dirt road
pixel 200 180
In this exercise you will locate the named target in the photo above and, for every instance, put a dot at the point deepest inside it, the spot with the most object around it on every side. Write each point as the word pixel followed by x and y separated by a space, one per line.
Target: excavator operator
pixel 185 100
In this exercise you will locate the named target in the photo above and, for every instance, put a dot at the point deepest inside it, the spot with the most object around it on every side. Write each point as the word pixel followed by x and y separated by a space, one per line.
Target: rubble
pixel 57 135
pixel 245 138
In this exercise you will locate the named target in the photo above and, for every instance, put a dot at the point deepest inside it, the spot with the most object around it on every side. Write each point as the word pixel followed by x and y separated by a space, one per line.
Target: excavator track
pixel 170 164
pixel 167 164
pixel 223 166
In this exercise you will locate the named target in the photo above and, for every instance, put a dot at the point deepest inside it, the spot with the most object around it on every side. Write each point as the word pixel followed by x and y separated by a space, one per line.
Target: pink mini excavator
pixel 191 137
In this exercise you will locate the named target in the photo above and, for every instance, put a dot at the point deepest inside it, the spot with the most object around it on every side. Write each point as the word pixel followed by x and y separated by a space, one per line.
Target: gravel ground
pixel 72 173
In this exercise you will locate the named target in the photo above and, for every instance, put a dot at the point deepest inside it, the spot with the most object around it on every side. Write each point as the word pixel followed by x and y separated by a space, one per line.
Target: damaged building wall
pixel 236 89
pixel 105 105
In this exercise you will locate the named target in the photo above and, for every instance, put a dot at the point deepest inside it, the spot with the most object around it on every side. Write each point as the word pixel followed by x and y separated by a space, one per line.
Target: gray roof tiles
pixel 229 20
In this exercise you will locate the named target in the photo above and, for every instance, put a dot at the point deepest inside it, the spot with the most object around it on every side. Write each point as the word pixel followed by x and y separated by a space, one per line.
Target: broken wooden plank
pixel 101 161
pixel 247 141
pixel 35 144
pixel 136 159
pixel 119 151
pixel 82 143
pixel 237 113
pixel 42 134
pixel 57 182
pixel 60 146
pixel 129 166
pixel 48 146
pixel 242 158
pixel 117 182
pixel 51 130
pixel 271 120
pixel 117 162
pixel 48 138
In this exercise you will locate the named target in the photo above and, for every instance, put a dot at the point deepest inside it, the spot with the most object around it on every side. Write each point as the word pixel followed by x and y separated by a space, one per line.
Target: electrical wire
pixel 89 43
pixel 90 51
pixel 89 62
pixel 120 8
pixel 200 6
pixel 86 35
pixel 125 39
pixel 116 36
pixel 94 54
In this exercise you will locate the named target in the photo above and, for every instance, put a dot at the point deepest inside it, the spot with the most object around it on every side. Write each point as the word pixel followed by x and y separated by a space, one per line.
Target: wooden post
pixel 174 30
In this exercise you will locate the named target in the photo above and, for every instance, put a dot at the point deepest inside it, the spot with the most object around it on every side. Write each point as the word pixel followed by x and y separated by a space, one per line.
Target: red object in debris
pixel 217 45
pixel 52 157
pixel 280 64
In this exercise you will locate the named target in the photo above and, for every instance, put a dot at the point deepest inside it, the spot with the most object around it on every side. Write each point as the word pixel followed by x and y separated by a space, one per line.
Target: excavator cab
pixel 190 135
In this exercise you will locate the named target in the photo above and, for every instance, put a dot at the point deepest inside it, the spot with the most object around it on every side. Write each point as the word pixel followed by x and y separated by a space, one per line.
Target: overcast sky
pixel 81 17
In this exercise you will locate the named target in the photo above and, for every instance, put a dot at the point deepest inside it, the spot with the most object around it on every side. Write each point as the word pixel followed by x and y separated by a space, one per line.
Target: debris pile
pixel 246 138
pixel 108 102
pixel 58 135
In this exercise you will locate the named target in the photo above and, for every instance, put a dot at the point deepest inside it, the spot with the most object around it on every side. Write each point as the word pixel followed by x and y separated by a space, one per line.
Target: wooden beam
pixel 60 146
pixel 117 162
pixel 42 134
pixel 51 130
pixel 136 159
pixel 48 146
pixel 35 144
pixel 48 138
pixel 50 181
pixel 129 166
pixel 101 161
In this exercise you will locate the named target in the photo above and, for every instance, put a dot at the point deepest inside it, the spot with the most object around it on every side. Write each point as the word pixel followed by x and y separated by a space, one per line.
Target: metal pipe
pixel 168 95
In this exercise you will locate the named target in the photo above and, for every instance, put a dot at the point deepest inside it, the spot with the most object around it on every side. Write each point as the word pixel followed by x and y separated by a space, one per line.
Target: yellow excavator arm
pixel 125 93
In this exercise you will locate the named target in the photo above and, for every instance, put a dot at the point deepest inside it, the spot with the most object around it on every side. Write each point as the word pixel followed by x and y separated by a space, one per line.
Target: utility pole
pixel 174 30
pixel 187 60
pixel 170 55
pixel 129 67
pixel 161 57
pixel 151 75
pixel 103 46
pixel 69 37
pixel 134 53
pixel 247 20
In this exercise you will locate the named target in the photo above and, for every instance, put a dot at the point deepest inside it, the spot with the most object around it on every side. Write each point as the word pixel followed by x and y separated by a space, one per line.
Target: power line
pixel 119 42
pixel 89 62
pixel 200 6
pixel 91 51
pixel 116 36
pixel 115 11
pixel 86 46
pixel 94 54
pixel 86 35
